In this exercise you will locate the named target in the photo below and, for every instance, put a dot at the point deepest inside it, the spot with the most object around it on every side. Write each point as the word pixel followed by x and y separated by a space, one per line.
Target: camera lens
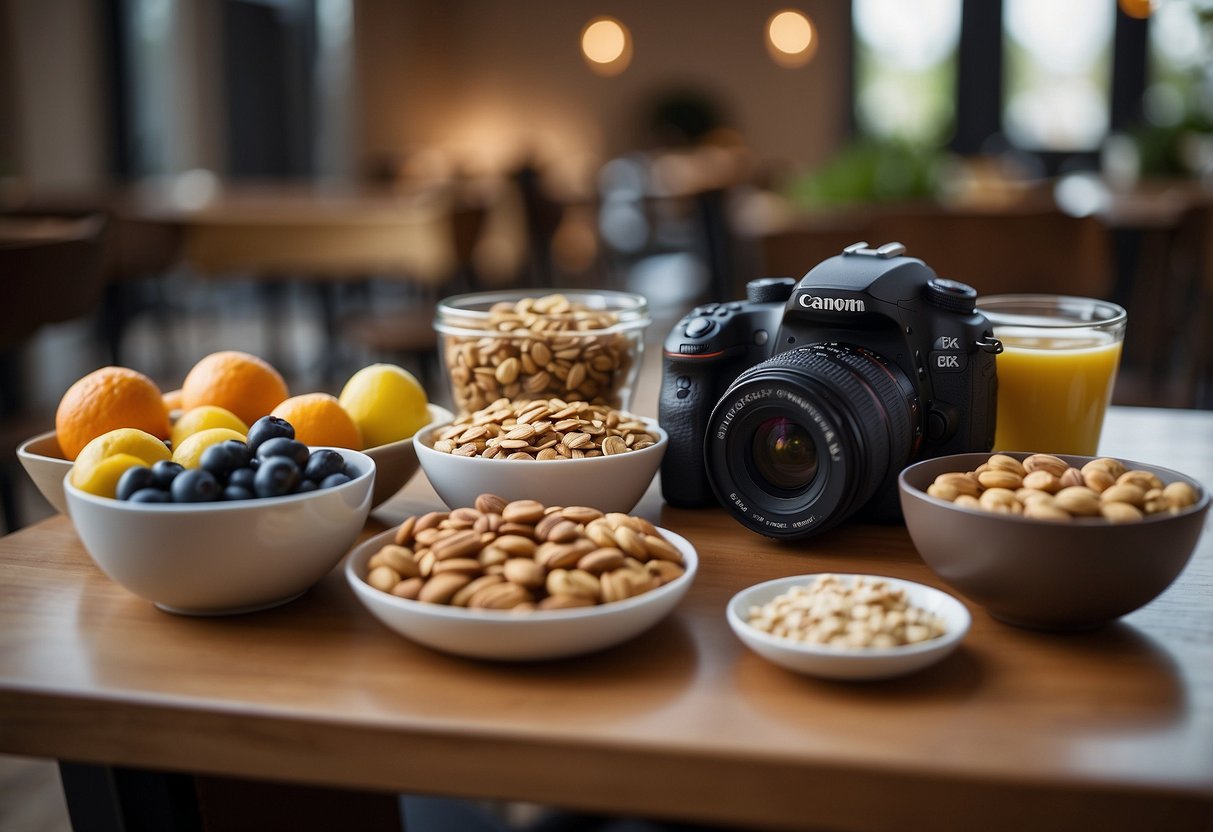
pixel 802 441
pixel 784 455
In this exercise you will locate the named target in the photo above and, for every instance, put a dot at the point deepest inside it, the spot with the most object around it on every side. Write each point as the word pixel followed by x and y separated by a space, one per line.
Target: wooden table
pixel 1111 729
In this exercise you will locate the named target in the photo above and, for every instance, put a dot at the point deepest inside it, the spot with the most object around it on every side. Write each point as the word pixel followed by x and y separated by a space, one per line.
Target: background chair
pixel 51 270
pixel 1005 251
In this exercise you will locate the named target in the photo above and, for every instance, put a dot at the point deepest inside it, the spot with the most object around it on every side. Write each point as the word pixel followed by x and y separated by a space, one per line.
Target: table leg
pixel 113 799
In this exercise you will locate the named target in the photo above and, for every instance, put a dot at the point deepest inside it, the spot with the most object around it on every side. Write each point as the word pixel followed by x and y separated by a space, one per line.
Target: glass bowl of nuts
pixel 547 449
pixel 575 345
pixel 848 627
pixel 520 580
pixel 1053 542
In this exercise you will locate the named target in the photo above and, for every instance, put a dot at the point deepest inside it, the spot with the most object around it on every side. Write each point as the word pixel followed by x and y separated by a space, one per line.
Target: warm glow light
pixel 791 39
pixel 1139 9
pixel 606 45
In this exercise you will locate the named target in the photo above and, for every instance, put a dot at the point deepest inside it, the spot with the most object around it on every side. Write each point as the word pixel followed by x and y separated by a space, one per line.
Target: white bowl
pixel 513 636
pixel 850 663
pixel 43 461
pixel 396 462
pixel 607 483
pixel 224 557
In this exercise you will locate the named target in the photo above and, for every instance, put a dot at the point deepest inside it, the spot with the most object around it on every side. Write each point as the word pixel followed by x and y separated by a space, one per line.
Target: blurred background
pixel 303 179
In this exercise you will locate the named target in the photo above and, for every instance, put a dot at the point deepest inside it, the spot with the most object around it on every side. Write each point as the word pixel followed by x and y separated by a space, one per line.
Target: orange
pixel 244 384
pixel 105 400
pixel 319 419
pixel 172 400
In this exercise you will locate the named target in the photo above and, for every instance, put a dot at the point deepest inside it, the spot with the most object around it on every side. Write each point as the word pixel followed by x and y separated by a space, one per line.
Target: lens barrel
pixel 800 442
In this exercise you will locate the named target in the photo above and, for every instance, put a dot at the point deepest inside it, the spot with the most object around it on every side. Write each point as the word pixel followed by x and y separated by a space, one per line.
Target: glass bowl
pixel 539 344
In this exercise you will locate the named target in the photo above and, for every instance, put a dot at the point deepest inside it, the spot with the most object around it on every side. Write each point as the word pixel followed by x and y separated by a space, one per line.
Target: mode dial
pixel 952 295
pixel 769 289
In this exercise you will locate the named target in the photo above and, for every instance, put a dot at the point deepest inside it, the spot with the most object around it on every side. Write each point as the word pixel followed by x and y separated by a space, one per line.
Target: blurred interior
pixel 302 179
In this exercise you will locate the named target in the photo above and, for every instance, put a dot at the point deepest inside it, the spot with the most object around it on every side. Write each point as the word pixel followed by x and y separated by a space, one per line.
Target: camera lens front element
pixel 784 454
pixel 803 440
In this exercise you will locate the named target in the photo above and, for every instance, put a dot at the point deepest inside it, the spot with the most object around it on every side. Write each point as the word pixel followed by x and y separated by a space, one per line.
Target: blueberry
pixel 268 427
pixel 222 458
pixel 237 492
pixel 322 463
pixel 166 471
pixel 334 479
pixel 242 478
pixel 281 446
pixel 305 486
pixel 277 475
pixel 134 479
pixel 195 486
pixel 151 495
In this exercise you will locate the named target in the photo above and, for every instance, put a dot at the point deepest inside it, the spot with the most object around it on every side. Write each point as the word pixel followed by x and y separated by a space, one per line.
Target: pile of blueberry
pixel 271 463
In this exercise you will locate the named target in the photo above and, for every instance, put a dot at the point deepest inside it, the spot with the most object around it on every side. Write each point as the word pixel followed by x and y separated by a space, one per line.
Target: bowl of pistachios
pixel 1053 542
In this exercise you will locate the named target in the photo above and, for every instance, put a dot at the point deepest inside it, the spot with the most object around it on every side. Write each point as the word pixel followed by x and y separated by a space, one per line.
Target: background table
pixel 1111 729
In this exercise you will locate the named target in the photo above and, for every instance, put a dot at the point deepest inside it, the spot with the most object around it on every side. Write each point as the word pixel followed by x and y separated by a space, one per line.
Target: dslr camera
pixel 798 407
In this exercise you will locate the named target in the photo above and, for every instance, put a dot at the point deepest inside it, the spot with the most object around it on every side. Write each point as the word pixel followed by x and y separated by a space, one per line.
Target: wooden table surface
pixel 1111 729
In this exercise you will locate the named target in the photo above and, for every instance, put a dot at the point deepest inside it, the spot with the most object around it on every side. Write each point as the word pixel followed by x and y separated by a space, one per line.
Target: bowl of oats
pixel 551 450
pixel 848 627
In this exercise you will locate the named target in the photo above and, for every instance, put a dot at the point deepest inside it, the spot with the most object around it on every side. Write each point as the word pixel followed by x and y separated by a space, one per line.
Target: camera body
pixel 799 406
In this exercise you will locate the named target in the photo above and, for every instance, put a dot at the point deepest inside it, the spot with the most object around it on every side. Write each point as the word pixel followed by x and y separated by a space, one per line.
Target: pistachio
pixel 1045 462
pixel 1050 489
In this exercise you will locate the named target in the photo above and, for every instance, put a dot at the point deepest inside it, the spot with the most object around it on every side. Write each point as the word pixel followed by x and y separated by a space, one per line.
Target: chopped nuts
pixel 869 613
pixel 544 429
pixel 1052 490
pixel 529 556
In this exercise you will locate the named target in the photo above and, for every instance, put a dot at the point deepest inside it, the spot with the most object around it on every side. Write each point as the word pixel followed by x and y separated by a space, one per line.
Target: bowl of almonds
pixel 551 450
pixel 519 580
pixel 1053 542
pixel 573 345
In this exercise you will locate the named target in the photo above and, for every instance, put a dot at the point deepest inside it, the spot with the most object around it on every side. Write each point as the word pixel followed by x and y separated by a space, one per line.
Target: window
pixel 905 68
pixel 1058 73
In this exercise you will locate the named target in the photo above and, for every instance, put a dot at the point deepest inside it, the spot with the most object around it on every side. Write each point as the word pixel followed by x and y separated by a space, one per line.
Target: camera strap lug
pixel 989 344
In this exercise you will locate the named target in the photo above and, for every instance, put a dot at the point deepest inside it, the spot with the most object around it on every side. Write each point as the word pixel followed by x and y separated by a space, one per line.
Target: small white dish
pixel 851 664
pixel 607 483
pixel 224 558
pixel 514 636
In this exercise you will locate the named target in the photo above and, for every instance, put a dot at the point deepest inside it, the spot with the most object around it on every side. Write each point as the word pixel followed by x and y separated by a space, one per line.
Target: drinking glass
pixel 1056 371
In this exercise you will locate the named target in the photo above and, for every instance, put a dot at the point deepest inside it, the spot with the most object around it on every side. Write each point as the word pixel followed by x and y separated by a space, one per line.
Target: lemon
pixel 205 417
pixel 189 452
pixel 102 478
pixel 130 441
pixel 386 402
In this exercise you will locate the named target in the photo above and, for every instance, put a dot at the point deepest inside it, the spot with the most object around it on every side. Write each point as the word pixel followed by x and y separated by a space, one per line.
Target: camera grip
pixel 684 407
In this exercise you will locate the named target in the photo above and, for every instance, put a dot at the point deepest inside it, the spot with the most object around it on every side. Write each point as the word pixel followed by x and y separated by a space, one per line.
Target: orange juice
pixel 1053 389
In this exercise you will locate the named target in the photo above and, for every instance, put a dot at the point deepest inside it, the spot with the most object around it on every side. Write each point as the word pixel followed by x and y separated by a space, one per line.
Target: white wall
pixel 58 129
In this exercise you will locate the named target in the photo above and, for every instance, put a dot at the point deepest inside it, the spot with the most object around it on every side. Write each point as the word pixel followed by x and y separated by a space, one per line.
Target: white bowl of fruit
pixel 247 525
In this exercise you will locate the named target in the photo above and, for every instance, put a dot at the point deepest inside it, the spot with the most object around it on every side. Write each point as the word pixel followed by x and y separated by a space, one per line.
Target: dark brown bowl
pixel 1049 575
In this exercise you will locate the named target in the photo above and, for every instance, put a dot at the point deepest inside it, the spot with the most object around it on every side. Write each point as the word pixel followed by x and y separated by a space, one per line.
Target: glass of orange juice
pixel 1056 371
